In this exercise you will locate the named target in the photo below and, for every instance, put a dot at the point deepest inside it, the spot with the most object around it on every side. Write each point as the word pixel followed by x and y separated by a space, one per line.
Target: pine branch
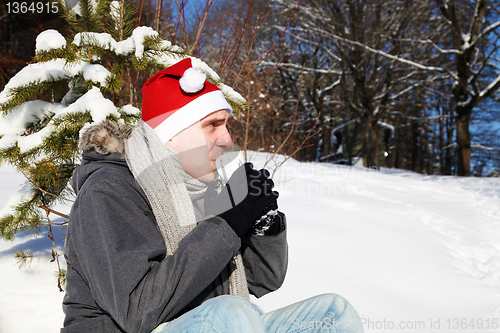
pixel 49 210
pixel 34 90
pixel 24 258
pixel 68 52
pixel 25 216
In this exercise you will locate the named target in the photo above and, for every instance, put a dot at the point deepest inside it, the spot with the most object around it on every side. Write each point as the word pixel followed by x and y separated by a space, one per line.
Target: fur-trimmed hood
pixel 103 145
pixel 106 137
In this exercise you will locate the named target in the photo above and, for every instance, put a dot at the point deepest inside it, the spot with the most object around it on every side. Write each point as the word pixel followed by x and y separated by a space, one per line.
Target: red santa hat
pixel 177 97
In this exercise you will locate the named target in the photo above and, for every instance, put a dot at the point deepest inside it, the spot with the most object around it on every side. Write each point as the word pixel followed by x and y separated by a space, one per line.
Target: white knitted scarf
pixel 171 193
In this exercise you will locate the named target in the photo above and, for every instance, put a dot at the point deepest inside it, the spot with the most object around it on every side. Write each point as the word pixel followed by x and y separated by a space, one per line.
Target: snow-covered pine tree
pixel 75 80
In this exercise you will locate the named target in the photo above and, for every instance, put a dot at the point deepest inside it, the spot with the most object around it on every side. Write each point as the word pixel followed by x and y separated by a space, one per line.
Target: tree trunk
pixel 371 143
pixel 158 15
pixel 375 146
pixel 463 143
pixel 450 155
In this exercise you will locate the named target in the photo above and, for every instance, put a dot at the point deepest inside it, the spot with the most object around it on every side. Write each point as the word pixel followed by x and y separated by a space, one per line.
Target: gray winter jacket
pixel 119 278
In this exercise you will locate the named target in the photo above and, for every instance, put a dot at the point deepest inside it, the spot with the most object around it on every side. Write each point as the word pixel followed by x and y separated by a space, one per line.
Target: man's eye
pixel 214 124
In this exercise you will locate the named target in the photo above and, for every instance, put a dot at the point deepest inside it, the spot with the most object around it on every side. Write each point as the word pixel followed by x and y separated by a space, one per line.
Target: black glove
pixel 246 196
pixel 273 222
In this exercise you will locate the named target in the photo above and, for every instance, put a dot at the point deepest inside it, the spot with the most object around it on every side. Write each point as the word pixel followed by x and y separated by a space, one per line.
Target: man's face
pixel 201 143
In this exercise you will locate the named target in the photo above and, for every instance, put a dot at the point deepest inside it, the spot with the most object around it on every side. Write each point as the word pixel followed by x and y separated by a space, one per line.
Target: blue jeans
pixel 231 314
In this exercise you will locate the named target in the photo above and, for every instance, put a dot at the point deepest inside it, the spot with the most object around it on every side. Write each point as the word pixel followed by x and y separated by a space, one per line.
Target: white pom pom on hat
pixel 193 80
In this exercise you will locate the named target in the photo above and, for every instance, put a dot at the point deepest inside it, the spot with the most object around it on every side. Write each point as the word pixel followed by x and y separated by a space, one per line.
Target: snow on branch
pixel 492 87
pixel 330 87
pixel 485 32
pixel 404 91
pixel 389 56
pixel 480 146
pixel 430 42
pixel 134 43
pixel 37 72
pixel 50 71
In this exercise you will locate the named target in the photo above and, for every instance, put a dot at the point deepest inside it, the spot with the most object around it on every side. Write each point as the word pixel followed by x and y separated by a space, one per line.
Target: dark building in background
pixel 350 146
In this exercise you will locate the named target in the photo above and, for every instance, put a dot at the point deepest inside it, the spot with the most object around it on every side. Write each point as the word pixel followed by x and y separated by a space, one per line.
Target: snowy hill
pixel 412 253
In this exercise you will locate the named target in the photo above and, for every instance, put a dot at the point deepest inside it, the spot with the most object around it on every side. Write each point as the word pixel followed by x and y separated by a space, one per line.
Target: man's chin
pixel 207 178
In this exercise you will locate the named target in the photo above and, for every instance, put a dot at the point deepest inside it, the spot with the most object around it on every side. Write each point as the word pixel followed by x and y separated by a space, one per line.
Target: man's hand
pixel 246 197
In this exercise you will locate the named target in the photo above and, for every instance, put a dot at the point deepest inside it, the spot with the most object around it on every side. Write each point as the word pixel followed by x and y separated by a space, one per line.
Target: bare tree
pixel 352 55
pixel 473 27
pixel 430 62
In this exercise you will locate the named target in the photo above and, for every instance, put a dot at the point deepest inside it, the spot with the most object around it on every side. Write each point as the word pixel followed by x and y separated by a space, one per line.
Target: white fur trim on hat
pixel 190 113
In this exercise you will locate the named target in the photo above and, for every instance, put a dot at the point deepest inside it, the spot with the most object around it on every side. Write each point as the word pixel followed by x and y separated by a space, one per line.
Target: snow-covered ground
pixel 412 253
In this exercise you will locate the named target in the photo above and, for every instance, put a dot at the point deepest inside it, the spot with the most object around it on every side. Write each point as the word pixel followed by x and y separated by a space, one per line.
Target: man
pixel 155 243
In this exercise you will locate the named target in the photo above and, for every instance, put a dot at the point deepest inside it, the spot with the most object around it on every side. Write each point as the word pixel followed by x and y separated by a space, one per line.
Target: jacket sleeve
pixel 122 254
pixel 266 260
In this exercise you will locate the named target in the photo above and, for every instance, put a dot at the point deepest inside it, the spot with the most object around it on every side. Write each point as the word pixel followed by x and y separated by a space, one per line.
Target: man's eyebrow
pixel 212 119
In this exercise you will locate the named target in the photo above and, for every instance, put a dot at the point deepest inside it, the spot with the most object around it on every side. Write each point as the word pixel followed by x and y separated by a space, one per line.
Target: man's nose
pixel 224 140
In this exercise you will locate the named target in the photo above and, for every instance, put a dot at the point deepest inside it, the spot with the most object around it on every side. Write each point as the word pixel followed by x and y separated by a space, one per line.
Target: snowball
pixel 48 40
pixel 193 80
pixel 138 36
pixel 103 39
pixel 95 73
pixel 135 42
pixel 130 109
